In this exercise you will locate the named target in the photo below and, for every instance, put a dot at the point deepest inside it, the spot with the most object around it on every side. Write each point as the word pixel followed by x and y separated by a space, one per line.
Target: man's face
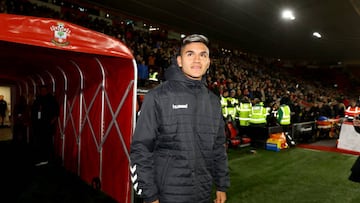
pixel 194 60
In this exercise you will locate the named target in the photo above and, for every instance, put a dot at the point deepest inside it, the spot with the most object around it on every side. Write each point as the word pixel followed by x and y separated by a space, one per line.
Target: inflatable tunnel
pixel 93 76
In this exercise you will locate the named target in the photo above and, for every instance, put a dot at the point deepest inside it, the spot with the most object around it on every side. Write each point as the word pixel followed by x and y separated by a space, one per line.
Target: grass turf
pixel 291 175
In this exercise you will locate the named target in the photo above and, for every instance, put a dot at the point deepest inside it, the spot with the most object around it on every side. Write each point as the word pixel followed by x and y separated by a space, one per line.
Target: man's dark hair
pixel 194 38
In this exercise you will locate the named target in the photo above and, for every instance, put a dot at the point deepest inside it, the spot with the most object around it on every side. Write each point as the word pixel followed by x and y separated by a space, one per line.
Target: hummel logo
pixel 134 178
pixel 180 106
pixel 133 169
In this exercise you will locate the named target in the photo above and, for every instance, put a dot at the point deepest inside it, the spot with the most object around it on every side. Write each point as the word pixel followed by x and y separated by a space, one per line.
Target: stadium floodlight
pixel 316 34
pixel 288 14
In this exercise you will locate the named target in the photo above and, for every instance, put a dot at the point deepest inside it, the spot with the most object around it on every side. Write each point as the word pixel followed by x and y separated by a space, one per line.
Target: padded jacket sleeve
pixel 221 169
pixel 141 151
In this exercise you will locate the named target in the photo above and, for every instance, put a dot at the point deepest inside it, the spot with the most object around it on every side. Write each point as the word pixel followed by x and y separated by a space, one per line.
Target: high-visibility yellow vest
pixel 258 115
pixel 224 108
pixel 286 113
pixel 153 76
pixel 244 113
pixel 232 107
pixel 223 101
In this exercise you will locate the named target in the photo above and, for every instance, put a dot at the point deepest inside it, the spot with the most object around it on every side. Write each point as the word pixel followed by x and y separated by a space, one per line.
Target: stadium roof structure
pixel 255 26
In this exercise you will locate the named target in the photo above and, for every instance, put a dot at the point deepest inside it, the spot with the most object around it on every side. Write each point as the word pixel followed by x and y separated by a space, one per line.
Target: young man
pixel 178 147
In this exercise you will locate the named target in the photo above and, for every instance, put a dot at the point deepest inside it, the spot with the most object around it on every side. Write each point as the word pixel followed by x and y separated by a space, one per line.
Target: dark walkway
pixel 21 181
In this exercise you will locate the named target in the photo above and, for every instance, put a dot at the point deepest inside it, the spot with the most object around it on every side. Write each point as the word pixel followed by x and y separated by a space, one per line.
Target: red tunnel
pixel 93 76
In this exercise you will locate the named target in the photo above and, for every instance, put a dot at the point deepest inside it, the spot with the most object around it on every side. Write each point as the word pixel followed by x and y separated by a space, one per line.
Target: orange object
pixel 279 139
pixel 329 124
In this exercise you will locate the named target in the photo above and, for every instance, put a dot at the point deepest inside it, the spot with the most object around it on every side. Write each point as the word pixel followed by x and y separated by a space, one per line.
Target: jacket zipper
pixel 194 141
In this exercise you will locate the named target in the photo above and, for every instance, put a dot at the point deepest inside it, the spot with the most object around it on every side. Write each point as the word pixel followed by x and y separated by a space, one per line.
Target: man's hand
pixel 157 201
pixel 220 197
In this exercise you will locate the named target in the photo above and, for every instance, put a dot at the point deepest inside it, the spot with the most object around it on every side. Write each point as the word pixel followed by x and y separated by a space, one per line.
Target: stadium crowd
pixel 232 73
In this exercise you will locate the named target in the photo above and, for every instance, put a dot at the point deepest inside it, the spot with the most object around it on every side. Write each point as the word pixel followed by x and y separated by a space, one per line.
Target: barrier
pixel 349 139
pixel 304 132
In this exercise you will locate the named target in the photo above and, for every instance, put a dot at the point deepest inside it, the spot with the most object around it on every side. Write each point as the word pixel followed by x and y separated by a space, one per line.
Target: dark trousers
pixel 42 142
pixel 355 171
pixel 258 134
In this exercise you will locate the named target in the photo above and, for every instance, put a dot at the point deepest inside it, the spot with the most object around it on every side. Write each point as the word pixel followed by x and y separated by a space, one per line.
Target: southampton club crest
pixel 60 34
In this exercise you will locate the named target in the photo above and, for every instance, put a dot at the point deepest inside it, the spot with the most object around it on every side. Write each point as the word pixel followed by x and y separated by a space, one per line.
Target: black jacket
pixel 178 147
pixel 49 108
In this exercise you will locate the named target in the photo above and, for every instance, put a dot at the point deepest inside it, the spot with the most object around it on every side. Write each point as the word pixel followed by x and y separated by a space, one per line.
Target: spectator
pixel 324 109
pixel 352 110
pixel 338 109
pixel 143 72
pixel 295 111
pixel 3 8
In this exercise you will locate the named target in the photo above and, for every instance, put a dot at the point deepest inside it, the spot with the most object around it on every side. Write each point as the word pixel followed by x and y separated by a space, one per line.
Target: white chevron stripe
pixel 136 185
pixel 139 192
pixel 134 178
pixel 133 169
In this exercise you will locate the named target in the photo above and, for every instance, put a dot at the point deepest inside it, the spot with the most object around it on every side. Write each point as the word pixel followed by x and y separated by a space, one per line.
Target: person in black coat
pixel 44 114
pixel 178 148
pixel 355 169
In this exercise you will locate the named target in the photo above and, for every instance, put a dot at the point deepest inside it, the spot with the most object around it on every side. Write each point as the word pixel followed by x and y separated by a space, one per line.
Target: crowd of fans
pixel 234 73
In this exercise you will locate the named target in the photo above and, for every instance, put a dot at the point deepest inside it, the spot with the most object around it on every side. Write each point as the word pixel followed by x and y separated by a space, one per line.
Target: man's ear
pixel 178 59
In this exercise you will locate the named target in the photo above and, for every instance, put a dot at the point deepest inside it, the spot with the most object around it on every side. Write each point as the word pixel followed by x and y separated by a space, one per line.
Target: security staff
pixel 284 119
pixel 258 113
pixel 244 112
pixel 257 128
pixel 284 115
pixel 232 105
pixel 224 103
